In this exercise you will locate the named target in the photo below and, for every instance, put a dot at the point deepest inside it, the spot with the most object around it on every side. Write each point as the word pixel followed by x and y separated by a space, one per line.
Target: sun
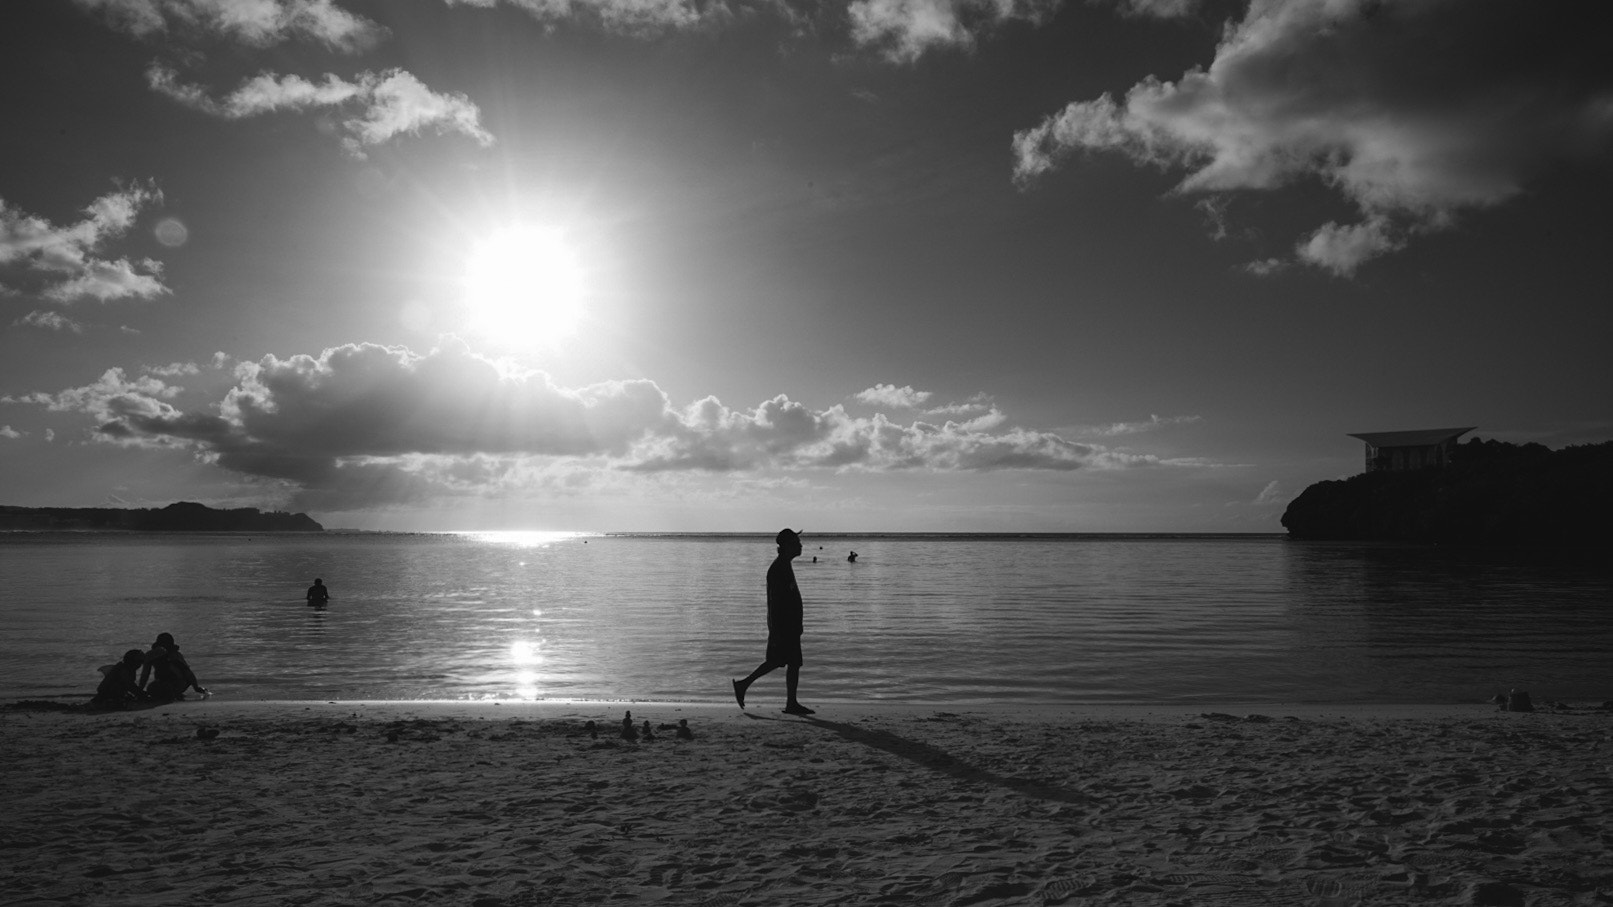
pixel 524 286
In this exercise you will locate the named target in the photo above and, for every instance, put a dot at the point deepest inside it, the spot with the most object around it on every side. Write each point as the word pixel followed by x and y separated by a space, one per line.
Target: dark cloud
pixel 365 425
pixel 1414 112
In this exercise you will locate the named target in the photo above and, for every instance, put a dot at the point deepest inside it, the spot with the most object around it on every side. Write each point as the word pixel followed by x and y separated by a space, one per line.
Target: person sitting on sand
pixel 166 675
pixel 119 686
pixel 784 620
pixel 318 594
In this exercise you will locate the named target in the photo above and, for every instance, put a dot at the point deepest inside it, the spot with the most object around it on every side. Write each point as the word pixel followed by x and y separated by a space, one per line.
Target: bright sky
pixel 923 265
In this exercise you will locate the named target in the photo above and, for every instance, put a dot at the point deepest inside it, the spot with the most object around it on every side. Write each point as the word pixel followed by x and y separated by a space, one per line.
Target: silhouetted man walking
pixel 784 619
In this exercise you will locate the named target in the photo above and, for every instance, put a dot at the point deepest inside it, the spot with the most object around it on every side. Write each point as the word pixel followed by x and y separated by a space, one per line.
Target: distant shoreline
pixel 715 536
pixel 184 516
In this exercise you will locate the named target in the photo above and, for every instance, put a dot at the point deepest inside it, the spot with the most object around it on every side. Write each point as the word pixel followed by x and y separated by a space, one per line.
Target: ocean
pixel 961 619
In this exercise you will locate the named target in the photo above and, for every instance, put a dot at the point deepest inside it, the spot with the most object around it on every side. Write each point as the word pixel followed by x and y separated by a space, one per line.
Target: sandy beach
pixel 511 804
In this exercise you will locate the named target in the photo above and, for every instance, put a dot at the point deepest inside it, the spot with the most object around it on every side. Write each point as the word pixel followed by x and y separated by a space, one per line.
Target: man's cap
pixel 788 535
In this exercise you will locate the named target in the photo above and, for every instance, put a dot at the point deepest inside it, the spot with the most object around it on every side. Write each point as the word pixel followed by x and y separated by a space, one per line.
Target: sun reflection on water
pixel 524 653
pixel 524 538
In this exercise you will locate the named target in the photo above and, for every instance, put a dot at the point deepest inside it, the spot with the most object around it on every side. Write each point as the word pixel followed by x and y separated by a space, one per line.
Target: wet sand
pixel 517 804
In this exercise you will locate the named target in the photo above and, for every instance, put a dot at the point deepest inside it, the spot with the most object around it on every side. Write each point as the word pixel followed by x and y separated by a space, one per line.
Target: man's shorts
pixel 784 650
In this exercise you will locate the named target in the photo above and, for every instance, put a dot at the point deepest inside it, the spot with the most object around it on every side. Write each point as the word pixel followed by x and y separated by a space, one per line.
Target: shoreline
pixel 214 708
pixel 517 804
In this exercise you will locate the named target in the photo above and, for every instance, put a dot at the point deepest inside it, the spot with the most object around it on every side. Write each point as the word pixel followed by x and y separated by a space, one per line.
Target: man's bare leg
pixel 740 686
pixel 792 680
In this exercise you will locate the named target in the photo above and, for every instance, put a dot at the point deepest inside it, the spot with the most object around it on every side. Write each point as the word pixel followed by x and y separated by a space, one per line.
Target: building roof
pixel 1420 438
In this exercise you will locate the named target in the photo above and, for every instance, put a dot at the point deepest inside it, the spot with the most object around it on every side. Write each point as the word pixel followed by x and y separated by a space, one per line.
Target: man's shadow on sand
pixel 936 759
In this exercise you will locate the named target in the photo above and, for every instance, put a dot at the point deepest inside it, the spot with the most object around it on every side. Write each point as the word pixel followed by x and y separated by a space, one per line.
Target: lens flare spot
pixel 171 232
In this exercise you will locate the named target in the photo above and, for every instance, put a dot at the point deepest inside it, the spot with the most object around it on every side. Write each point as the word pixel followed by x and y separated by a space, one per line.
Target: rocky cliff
pixel 1492 492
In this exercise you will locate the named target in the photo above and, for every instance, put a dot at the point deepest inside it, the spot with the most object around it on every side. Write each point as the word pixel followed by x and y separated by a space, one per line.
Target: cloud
pixel 174 369
pixel 1153 423
pixel 784 433
pixel 1271 494
pixel 378 106
pixel 904 30
pixel 891 395
pixel 257 23
pixel 974 406
pixel 50 321
pixel 1412 112
pixel 105 280
pixel 635 17
pixel 1266 267
pixel 1158 9
pixel 11 434
pixel 365 425
pixel 64 260
pixel 1341 248
pixel 108 399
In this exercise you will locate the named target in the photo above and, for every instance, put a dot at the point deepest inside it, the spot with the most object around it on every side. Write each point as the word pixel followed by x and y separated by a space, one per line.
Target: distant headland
pixel 184 516
pixel 1490 492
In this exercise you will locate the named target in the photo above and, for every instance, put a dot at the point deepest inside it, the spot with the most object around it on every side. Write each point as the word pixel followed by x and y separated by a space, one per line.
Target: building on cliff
pixel 1397 451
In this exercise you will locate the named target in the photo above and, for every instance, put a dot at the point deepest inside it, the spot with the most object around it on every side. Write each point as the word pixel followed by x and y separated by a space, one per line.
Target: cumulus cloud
pixel 904 30
pixel 257 23
pixel 116 403
pixel 890 395
pixel 50 321
pixel 781 432
pixel 375 106
pixel 11 434
pixel 65 261
pixel 363 425
pixel 1412 112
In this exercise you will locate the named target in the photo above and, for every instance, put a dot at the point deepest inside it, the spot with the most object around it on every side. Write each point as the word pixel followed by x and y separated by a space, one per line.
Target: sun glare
pixel 524 286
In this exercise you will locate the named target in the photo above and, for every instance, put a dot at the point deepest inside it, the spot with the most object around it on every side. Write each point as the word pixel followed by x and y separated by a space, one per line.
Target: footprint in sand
pixel 797 799
pixel 667 875
pixel 1334 891
pixel 1056 891
pixel 1275 856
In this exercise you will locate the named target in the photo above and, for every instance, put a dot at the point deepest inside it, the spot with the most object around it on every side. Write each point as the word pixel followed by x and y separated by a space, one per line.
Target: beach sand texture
pixel 497 806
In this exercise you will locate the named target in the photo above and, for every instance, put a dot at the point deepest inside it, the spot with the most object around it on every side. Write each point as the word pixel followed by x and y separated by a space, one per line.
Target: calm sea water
pixel 962 619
